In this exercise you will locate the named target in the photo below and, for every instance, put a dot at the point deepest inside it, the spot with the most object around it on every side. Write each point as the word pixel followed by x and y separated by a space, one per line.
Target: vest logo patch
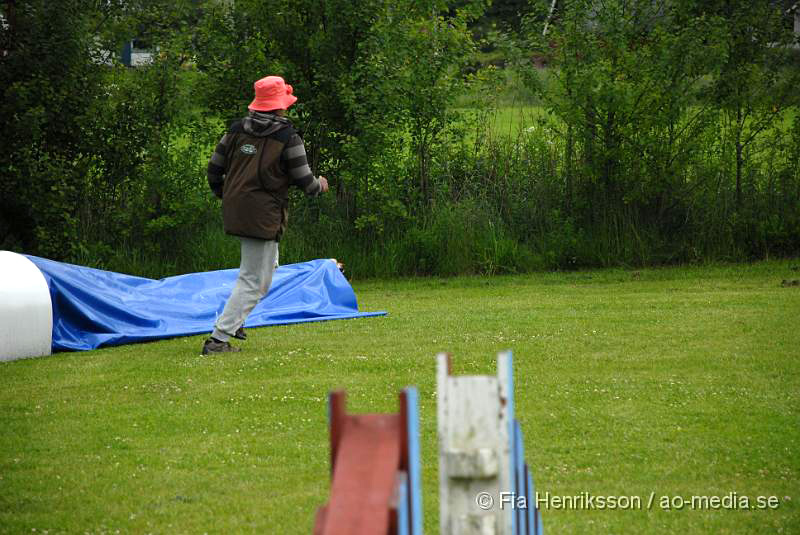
pixel 248 149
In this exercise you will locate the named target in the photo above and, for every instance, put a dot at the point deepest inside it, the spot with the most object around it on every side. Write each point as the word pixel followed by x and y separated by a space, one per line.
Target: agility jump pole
pixel 485 486
pixel 375 471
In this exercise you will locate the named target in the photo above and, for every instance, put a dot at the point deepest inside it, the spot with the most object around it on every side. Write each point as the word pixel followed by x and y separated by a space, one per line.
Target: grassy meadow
pixel 664 382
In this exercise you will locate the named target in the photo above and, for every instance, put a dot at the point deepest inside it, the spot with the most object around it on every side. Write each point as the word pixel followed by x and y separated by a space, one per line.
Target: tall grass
pixel 509 197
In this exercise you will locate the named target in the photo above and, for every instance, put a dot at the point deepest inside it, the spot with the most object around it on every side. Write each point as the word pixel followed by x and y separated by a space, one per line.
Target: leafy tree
pixel 90 144
pixel 758 79
pixel 628 78
pixel 47 85
pixel 375 80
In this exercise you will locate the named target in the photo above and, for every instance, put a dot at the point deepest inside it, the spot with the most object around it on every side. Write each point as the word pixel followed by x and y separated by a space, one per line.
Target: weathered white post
pixel 485 487
pixel 474 450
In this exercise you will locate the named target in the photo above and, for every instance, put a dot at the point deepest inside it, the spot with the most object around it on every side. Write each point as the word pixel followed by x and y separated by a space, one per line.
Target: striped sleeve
pixel 295 162
pixel 216 166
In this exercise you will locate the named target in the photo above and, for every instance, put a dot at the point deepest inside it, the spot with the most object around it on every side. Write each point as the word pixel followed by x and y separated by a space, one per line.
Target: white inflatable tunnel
pixel 26 313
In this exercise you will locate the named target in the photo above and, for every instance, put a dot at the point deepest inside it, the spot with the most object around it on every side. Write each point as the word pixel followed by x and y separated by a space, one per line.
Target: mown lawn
pixel 670 382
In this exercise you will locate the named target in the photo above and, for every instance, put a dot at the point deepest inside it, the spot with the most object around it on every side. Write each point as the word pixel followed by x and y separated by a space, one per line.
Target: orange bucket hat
pixel 272 93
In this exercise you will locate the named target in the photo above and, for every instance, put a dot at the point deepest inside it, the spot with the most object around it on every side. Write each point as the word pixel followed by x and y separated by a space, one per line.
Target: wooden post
pixel 484 485
pixel 375 471
pixel 473 453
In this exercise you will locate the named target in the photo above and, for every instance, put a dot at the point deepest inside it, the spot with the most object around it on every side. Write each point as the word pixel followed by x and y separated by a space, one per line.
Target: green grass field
pixel 510 120
pixel 670 382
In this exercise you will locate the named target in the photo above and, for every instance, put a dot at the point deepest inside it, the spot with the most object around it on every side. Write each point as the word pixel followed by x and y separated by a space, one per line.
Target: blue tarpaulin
pixel 93 308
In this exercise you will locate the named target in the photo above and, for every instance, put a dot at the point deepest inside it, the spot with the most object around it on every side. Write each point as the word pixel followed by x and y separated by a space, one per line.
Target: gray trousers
pixel 259 258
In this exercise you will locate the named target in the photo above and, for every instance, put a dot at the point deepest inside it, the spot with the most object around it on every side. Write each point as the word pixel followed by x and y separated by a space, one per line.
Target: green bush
pixel 666 133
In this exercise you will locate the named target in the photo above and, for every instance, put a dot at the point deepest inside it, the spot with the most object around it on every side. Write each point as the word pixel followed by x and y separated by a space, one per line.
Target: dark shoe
pixel 212 345
pixel 240 334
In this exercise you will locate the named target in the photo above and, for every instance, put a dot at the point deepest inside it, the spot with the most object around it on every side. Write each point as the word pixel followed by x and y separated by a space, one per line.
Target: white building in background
pixel 796 8
pixel 136 54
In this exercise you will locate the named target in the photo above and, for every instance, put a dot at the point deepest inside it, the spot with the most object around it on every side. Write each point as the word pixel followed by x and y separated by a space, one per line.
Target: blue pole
pixel 414 470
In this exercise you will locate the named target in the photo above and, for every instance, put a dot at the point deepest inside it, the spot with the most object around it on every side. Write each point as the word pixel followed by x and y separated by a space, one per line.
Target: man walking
pixel 251 170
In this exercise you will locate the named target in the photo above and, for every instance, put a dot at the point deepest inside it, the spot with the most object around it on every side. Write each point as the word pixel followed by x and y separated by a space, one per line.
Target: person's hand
pixel 323 184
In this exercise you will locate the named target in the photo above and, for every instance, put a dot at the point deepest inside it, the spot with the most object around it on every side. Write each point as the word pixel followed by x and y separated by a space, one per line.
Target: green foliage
pixel 47 84
pixel 664 132
pixel 230 53
pixel 647 94
pixel 96 162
